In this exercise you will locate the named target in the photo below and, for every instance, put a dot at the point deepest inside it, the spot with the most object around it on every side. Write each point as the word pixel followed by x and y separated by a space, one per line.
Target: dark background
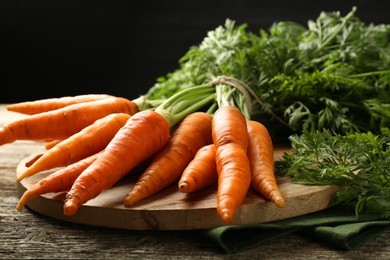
pixel 55 48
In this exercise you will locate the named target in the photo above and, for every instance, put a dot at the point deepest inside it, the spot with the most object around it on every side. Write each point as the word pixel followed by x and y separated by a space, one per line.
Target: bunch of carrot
pixel 98 139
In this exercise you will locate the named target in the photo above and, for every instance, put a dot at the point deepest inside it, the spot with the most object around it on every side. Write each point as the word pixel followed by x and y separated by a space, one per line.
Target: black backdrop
pixel 52 48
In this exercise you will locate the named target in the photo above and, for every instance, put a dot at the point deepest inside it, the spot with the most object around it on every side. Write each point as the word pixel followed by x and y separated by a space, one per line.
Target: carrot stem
pixel 183 103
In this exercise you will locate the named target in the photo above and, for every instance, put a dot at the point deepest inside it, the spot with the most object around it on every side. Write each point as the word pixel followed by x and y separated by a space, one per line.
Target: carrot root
pixel 60 180
pixel 143 135
pixel 64 122
pixel 45 105
pixel 230 137
pixel 88 141
pixel 191 134
pixel 200 172
pixel 261 156
pixel 51 144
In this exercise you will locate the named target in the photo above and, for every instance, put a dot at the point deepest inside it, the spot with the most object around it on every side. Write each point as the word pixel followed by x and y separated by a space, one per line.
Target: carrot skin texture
pixel 63 122
pixel 230 137
pixel 60 180
pixel 193 132
pixel 143 135
pixel 200 172
pixel 261 157
pixel 88 141
pixel 51 144
pixel 45 105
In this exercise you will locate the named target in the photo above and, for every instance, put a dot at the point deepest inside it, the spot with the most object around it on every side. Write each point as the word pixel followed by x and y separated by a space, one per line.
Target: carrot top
pixel 185 102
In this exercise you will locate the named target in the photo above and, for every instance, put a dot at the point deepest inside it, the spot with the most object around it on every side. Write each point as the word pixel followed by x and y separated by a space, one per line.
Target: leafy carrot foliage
pixel 311 77
pixel 359 163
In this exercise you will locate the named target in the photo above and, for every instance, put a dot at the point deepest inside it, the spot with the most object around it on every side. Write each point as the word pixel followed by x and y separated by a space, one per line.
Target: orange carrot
pixel 261 157
pixel 88 141
pixel 230 137
pixel 200 172
pixel 49 144
pixel 60 180
pixel 32 160
pixel 45 105
pixel 63 122
pixel 191 134
pixel 52 143
pixel 142 136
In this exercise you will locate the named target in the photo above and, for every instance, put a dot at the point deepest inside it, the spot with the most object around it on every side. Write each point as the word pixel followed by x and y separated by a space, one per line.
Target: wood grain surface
pixel 30 235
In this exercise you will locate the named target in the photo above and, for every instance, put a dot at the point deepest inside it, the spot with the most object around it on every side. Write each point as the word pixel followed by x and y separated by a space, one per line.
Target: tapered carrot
pixel 261 157
pixel 61 180
pixel 191 134
pixel 230 137
pixel 63 122
pixel 88 141
pixel 144 134
pixel 45 105
pixel 200 172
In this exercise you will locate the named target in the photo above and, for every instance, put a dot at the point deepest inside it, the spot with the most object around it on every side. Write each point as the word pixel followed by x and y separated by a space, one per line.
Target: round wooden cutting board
pixel 173 210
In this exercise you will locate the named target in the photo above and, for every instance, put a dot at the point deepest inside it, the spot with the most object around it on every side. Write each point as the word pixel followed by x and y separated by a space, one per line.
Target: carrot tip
pixel 21 177
pixel 70 208
pixel 280 203
pixel 20 206
pixel 22 201
pixel 129 201
pixel 226 216
pixel 183 187
pixel 276 198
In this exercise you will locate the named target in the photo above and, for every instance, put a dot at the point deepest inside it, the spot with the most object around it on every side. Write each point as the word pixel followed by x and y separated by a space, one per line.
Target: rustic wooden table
pixel 27 234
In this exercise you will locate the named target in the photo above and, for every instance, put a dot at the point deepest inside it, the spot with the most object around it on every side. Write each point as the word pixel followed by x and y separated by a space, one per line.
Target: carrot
pixel 44 105
pixel 52 143
pixel 60 180
pixel 261 157
pixel 32 160
pixel 63 122
pixel 88 141
pixel 230 137
pixel 191 134
pixel 49 144
pixel 200 172
pixel 143 135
